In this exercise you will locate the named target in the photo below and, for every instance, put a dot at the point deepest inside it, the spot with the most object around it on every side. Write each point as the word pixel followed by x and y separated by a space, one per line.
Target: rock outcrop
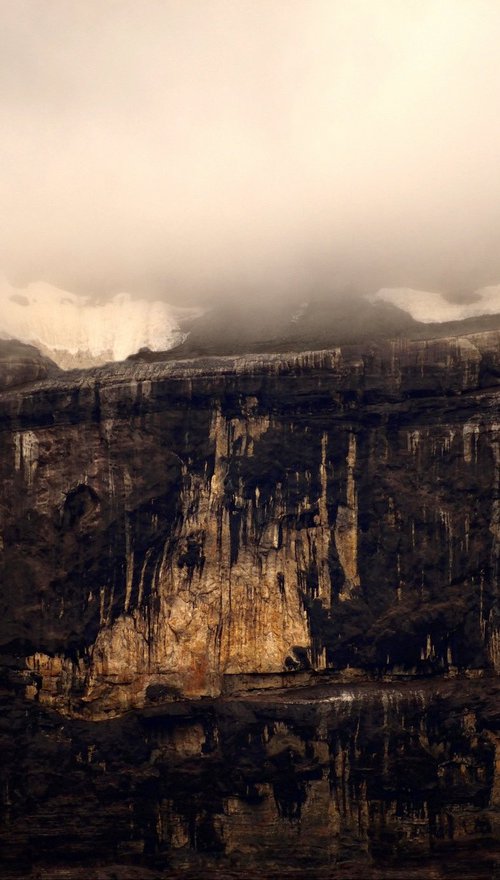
pixel 21 364
pixel 192 527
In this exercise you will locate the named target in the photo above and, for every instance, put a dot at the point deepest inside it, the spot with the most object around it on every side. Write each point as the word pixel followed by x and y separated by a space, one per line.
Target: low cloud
pixel 188 149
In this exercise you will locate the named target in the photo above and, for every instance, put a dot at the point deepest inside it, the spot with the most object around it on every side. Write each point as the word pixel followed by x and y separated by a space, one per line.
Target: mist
pixel 187 149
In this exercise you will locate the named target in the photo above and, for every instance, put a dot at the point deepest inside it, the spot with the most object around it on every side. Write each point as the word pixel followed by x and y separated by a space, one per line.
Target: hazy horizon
pixel 187 149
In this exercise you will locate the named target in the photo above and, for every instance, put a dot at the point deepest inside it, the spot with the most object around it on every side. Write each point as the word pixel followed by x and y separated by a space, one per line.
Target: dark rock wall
pixel 166 525
pixel 342 783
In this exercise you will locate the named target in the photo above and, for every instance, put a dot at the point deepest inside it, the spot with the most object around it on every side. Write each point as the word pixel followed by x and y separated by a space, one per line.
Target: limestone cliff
pixel 367 782
pixel 171 528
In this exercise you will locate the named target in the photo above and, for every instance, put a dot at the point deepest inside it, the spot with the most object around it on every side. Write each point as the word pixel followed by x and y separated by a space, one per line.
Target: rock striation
pixel 195 527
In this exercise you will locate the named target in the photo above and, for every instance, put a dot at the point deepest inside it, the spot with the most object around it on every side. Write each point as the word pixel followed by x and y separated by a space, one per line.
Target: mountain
pixel 75 331
pixel 245 326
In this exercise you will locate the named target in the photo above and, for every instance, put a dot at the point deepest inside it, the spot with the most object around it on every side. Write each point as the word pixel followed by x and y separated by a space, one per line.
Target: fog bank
pixel 187 149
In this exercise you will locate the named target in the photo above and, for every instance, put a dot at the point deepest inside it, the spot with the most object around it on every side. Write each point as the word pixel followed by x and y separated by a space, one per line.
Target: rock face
pixel 333 783
pixel 194 527
pixel 249 620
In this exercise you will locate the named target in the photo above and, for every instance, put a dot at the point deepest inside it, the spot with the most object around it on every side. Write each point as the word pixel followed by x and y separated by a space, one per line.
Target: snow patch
pixel 299 313
pixel 76 331
pixel 429 307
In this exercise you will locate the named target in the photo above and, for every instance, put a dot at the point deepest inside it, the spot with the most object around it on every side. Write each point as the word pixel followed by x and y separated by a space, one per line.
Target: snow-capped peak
pixel 76 331
pixel 429 307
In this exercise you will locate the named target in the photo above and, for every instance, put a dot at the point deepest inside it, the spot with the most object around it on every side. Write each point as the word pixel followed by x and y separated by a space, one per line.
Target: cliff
pixel 192 527
pixel 333 783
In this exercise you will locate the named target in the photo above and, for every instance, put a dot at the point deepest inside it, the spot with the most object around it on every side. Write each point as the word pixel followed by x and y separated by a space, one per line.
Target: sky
pixel 194 148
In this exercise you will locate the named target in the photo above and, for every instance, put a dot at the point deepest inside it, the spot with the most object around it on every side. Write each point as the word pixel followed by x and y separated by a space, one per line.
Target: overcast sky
pixel 192 146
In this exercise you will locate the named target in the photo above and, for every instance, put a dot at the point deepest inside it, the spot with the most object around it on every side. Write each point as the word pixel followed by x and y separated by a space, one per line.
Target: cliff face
pixel 367 782
pixel 184 528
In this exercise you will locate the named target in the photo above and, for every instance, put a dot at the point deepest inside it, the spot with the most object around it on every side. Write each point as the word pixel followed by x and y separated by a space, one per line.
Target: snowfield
pixel 75 331
pixel 432 308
